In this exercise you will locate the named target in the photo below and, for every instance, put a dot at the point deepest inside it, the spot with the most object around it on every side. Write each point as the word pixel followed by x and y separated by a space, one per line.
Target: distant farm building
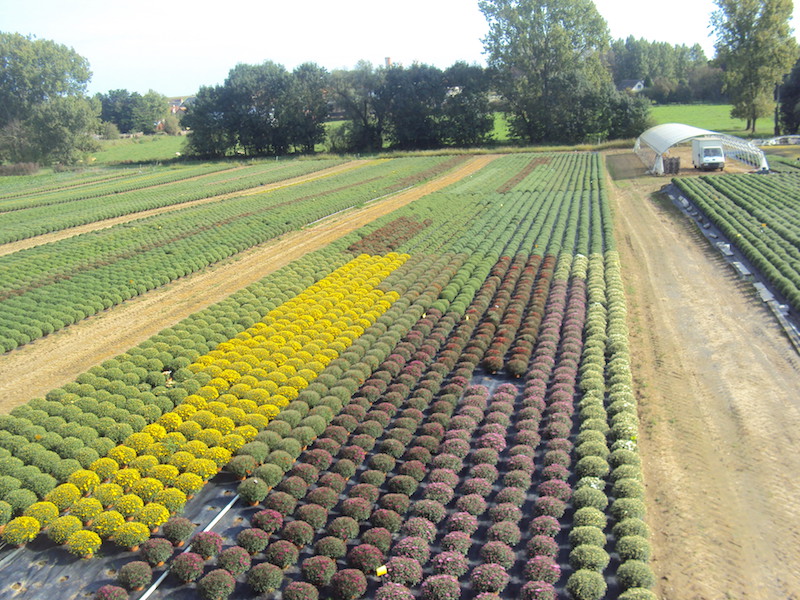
pixel 631 85
pixel 653 146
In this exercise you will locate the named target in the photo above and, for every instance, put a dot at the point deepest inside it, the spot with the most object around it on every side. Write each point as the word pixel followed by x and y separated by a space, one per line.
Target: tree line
pixel 551 69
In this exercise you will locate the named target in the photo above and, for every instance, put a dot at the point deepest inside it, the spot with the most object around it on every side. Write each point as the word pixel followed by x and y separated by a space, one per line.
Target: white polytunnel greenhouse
pixel 654 144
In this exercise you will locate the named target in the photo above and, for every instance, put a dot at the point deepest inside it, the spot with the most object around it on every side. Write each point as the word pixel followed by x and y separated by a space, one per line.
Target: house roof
pixel 627 84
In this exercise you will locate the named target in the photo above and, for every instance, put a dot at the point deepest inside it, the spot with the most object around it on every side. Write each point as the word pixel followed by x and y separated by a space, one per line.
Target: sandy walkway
pixel 719 404
pixel 72 231
pixel 36 368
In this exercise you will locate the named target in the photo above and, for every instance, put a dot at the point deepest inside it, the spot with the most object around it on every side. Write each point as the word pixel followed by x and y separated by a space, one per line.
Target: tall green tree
pixel 756 48
pixel 308 106
pixel 44 113
pixel 467 117
pixel 541 50
pixel 790 101
pixel 414 96
pixel 355 92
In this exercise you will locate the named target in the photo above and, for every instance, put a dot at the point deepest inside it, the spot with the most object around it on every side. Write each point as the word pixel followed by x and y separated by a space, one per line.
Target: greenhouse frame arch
pixel 654 143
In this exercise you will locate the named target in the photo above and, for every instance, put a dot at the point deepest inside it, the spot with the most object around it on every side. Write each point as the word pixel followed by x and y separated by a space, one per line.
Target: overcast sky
pixel 175 47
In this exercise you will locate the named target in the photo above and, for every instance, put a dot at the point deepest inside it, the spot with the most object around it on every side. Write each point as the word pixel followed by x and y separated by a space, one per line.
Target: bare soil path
pixel 49 362
pixel 719 402
pixel 106 223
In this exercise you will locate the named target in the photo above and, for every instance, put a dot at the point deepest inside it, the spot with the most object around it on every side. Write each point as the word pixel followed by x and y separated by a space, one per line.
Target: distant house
pixel 177 105
pixel 631 85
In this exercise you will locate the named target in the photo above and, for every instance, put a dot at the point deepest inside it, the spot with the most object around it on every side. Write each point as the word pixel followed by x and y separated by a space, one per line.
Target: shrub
pixel 21 499
pixel 135 575
pixel 299 590
pixel 403 484
pixel 542 568
pixel 111 592
pixel 323 496
pixel 538 590
pixel 44 512
pixel 441 587
pixel 505 512
pixel 387 519
pixel 357 508
pixel 235 560
pixel 586 585
pixel 62 527
pixel 589 516
pixel 413 547
pixel 588 556
pixel 479 486
pixel 623 508
pixel 393 591
pixel 349 584
pixel 217 585
pixel 177 530
pixel 20 531
pixel 473 504
pixel 379 537
pixel 330 546
pixel 489 577
pixel 281 502
pixel 592 466
pixel 450 563
pixel 156 551
pixel 299 533
pixel 439 492
pixel 83 543
pixel 548 505
pixel 282 553
pixel 294 486
pixel 404 571
pixel 107 523
pixel 499 553
pixel 396 502
pixel 207 543
pixel 631 526
pixel 420 527
pixel 319 570
pixel 241 466
pixel 187 566
pixel 153 515
pixel 542 545
pixel 265 578
pixel 637 594
pixel 457 541
pixel 373 478
pixel 344 528
pixel 462 521
pixel 313 514
pixel 5 512
pixel 365 557
pixel 587 535
pixel 429 510
pixel 635 574
pixel 505 532
pixel 633 547
pixel 253 490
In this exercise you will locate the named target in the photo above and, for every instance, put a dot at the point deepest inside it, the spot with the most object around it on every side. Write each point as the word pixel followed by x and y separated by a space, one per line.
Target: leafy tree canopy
pixel 756 48
pixel 44 114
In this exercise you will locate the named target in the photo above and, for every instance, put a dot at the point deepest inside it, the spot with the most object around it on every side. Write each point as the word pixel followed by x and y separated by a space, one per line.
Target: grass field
pixel 142 149
pixel 715 117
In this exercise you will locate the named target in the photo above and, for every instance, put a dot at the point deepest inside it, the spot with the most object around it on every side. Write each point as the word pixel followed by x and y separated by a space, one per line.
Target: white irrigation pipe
pixel 208 527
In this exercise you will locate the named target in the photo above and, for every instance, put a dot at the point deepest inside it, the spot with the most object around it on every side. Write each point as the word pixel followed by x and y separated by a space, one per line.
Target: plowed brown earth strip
pixel 97 225
pixel 719 403
pixel 36 368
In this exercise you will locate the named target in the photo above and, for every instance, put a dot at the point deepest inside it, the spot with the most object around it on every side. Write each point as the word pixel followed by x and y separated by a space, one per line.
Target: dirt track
pixel 719 389
pixel 106 223
pixel 49 362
